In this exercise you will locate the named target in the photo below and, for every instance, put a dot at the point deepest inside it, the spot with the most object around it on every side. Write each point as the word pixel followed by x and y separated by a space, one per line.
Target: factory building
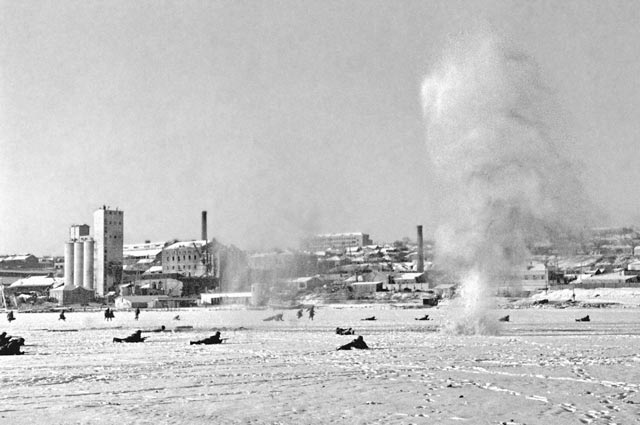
pixel 340 241
pixel 108 230
pixel 189 258
pixel 140 257
pixel 78 258
pixel 78 267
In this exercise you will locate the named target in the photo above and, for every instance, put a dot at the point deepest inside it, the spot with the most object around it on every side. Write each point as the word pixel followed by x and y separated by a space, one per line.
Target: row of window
pixel 184 258
pixel 187 267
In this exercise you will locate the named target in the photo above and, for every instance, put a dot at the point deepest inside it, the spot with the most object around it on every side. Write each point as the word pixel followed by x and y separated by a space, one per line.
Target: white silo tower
pixel 68 264
pixel 88 264
pixel 78 263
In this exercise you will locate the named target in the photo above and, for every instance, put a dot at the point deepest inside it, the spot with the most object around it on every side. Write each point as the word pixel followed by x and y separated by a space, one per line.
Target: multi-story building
pixel 139 257
pixel 189 258
pixel 108 232
pixel 336 240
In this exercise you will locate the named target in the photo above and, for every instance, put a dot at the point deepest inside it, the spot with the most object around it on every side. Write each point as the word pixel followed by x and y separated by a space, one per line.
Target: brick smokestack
pixel 420 268
pixel 204 225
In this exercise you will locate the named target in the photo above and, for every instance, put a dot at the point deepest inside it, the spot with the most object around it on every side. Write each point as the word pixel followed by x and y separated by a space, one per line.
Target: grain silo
pixel 88 264
pixel 68 264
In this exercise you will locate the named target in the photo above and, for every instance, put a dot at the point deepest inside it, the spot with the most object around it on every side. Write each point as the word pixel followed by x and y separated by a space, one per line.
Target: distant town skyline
pixel 281 119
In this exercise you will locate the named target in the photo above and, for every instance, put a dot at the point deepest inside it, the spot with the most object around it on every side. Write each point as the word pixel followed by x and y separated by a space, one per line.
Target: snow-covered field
pixel 543 368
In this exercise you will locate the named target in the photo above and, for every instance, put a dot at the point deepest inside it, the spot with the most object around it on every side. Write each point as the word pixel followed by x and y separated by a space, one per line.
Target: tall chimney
pixel 420 251
pixel 204 226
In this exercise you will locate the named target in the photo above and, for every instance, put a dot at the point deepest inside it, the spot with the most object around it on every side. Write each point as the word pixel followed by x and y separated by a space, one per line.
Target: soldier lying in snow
pixel 134 337
pixel 356 343
pixel 276 318
pixel 214 339
pixel 12 347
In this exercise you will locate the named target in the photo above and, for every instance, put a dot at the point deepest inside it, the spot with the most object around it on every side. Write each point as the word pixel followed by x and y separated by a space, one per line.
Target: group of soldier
pixel 11 345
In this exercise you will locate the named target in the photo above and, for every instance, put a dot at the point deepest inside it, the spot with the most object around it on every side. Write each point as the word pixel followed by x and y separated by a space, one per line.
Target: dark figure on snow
pixel 137 313
pixel 504 319
pixel 160 329
pixel 345 331
pixel 62 316
pixel 213 339
pixel 177 317
pixel 584 319
pixel 370 318
pixel 108 314
pixel 425 317
pixel 134 337
pixel 10 316
pixel 12 347
pixel 300 312
pixel 312 312
pixel 356 343
pixel 276 318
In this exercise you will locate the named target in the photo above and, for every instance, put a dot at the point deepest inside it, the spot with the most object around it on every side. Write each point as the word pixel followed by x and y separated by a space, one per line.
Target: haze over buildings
pixel 282 119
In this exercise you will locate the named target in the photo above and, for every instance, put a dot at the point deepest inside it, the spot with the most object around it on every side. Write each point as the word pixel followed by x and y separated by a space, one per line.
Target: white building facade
pixel 340 241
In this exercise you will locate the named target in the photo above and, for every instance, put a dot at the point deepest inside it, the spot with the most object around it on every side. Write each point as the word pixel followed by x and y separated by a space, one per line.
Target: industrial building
pixel 225 298
pixel 19 261
pixel 79 258
pixel 336 240
pixel 108 231
pixel 140 257
pixel 189 258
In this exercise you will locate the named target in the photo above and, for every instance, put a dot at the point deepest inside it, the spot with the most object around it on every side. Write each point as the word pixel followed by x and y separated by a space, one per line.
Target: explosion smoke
pixel 503 183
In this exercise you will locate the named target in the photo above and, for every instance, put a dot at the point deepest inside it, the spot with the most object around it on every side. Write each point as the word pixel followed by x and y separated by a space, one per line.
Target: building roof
pixel 143 298
pixel 187 244
pixel 146 245
pixel 17 257
pixel 145 261
pixel 137 253
pixel 609 276
pixel 42 281
pixel 61 288
pixel 535 267
pixel 227 295
pixel 409 275
pixel 153 269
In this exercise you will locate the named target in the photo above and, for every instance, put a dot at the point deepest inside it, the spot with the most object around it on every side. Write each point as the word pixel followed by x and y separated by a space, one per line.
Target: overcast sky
pixel 279 118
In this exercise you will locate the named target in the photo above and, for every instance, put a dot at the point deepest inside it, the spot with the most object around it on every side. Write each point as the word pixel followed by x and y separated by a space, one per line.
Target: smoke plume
pixel 502 182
